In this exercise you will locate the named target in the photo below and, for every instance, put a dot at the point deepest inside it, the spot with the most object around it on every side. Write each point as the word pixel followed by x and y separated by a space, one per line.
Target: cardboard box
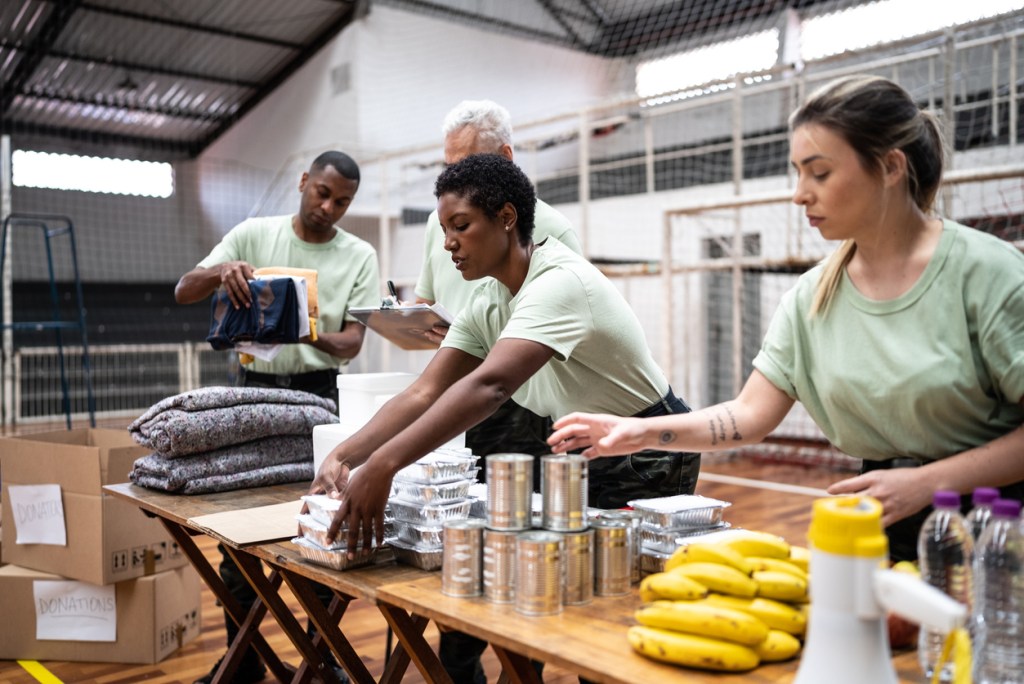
pixel 108 539
pixel 155 616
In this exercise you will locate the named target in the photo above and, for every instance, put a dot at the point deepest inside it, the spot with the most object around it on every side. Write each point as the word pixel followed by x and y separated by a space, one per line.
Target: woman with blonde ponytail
pixel 906 346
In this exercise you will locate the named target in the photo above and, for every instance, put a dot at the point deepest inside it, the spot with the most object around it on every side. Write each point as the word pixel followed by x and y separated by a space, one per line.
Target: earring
pixel 508 228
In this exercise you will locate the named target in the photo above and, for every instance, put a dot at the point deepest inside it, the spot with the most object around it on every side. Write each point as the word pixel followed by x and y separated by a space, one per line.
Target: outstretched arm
pixel 905 491
pixel 748 419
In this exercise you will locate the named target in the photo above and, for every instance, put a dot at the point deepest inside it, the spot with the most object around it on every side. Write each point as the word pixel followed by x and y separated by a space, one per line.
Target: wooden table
pixel 287 565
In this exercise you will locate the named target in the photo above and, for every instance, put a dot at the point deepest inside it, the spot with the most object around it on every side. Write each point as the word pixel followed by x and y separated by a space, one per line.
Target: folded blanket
pixel 261 477
pixel 215 417
pixel 230 460
pixel 219 397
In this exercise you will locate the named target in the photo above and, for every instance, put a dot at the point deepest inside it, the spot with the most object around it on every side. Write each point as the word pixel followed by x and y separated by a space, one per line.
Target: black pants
pixel 612 482
pixel 903 534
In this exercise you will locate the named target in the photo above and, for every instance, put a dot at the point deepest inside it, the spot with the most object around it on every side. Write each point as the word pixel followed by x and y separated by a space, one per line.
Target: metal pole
pixel 6 296
pixel 584 182
pixel 737 239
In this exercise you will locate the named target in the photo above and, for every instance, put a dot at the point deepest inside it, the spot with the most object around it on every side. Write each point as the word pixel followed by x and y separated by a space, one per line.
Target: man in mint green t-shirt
pixel 347 275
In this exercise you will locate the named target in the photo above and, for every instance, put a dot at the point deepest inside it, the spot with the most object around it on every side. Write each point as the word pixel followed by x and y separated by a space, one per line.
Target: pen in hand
pixel 394 293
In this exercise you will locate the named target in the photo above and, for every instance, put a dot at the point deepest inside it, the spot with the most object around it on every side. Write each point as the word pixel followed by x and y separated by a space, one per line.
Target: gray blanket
pixel 214 417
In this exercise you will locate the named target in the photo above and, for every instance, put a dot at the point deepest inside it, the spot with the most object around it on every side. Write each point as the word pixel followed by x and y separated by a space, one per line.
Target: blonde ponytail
pixel 830 277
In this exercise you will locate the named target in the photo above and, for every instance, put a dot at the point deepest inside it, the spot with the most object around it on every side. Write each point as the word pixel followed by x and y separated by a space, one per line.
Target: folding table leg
pixel 327 625
pixel 409 631
pixel 248 624
pixel 518 668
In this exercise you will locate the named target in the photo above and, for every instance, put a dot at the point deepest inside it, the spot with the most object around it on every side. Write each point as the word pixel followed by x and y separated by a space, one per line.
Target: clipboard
pixel 404 325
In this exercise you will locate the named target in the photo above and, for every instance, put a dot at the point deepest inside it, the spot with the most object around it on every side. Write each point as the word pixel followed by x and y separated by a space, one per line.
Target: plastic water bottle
pixel 945 553
pixel 999 598
pixel 980 514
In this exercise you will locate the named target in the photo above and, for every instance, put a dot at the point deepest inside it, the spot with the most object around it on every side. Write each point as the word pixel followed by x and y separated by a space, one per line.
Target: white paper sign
pixel 75 611
pixel 38 512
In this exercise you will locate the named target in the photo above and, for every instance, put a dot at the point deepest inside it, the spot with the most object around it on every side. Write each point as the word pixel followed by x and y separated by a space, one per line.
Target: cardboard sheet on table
pixel 252 525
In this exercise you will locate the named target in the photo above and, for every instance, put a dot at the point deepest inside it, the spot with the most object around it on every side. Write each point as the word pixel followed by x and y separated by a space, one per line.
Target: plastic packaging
pixel 981 512
pixel 999 598
pixel 945 551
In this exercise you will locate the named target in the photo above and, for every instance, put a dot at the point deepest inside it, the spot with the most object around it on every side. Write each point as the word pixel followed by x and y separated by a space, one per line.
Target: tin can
pixel 461 558
pixel 613 564
pixel 499 566
pixel 635 518
pixel 509 491
pixel 539 569
pixel 563 487
pixel 579 567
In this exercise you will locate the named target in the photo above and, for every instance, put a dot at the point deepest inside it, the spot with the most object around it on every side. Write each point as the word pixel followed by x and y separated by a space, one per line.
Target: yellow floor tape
pixel 40 673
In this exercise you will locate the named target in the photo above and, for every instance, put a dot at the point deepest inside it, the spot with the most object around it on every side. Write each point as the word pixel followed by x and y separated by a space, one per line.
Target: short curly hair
pixel 488 182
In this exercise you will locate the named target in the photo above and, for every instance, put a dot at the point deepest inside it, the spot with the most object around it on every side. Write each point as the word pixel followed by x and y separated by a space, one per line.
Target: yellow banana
pixel 670 585
pixel 800 556
pixel 704 619
pixel 724 579
pixel 762 563
pixel 708 553
pixel 775 614
pixel 777 646
pixel 754 543
pixel 691 650
pixel 780 585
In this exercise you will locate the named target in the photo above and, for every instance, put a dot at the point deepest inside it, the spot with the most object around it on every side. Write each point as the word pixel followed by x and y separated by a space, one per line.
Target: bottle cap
pixel 984 495
pixel 1006 508
pixel 848 526
pixel 945 498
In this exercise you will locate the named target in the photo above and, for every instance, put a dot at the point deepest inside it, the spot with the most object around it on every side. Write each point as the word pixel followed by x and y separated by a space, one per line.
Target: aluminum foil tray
pixel 667 541
pixel 316 531
pixel 433 514
pixel 338 559
pixel 682 512
pixel 438 467
pixel 407 554
pixel 652 561
pixel 422 537
pixel 416 493
pixel 321 507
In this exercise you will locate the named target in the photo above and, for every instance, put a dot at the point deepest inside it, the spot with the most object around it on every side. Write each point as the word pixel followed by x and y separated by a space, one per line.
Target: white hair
pixel 491 121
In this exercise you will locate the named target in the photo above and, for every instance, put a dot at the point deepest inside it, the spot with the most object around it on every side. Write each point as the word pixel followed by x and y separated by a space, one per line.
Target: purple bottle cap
pixel 984 495
pixel 945 498
pixel 1006 508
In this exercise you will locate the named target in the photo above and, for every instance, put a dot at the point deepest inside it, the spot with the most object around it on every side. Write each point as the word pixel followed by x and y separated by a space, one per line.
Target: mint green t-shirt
pixel 440 281
pixel 347 275
pixel 601 364
pixel 936 371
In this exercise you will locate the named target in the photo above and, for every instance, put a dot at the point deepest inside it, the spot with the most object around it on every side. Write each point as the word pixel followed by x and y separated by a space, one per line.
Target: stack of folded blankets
pixel 217 439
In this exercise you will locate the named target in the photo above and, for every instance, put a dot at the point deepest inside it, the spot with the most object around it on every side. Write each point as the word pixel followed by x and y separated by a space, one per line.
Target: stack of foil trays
pixel 424 495
pixel 314 545
pixel 668 522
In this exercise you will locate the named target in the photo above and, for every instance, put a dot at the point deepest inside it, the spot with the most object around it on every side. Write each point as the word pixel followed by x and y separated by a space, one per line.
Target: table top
pixel 589 639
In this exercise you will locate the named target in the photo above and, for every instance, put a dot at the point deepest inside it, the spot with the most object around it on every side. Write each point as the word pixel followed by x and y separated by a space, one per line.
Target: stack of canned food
pixel 314 545
pixel 666 523
pixel 568 559
pixel 424 497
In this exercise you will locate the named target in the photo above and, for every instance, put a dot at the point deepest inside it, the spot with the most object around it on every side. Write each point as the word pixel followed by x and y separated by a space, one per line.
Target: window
pixel 92 174
pixel 887 21
pixel 676 77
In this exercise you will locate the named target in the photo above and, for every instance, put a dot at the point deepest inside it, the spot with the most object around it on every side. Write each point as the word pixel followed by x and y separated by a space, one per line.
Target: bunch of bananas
pixel 728 605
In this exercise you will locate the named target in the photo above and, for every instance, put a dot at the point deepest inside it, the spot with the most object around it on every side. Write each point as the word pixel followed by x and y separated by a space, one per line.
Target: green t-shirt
pixel 936 371
pixel 601 364
pixel 440 281
pixel 347 275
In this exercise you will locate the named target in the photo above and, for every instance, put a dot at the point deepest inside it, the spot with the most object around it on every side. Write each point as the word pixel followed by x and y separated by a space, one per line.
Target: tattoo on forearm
pixel 721 427
pixel 667 437
pixel 714 435
pixel 736 436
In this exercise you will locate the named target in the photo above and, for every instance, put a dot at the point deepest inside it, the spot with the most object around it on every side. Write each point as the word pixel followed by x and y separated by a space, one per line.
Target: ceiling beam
pixel 556 14
pixel 51 28
pixel 191 26
pixel 319 41
pixel 130 66
pixel 126 105
pixel 175 148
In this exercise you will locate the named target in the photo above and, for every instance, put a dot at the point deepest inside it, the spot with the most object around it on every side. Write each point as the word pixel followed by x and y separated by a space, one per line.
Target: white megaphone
pixel 851 592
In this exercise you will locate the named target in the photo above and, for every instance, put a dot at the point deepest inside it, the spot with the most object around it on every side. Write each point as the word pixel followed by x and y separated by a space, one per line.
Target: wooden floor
pixel 780 503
